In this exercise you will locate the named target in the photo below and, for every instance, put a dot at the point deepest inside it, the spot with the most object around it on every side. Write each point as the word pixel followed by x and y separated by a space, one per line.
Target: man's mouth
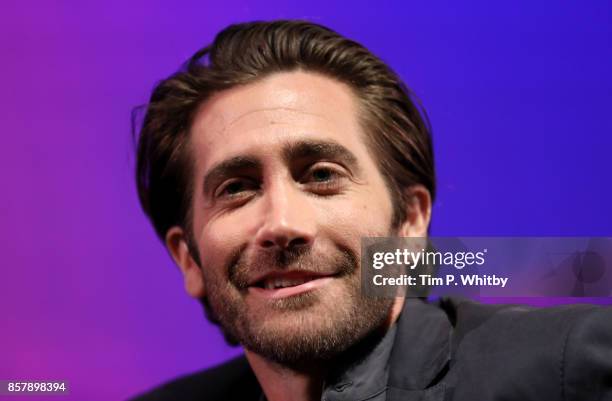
pixel 280 285
pixel 274 283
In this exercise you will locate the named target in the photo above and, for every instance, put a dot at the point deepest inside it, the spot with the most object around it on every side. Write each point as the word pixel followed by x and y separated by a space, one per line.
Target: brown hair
pixel 397 132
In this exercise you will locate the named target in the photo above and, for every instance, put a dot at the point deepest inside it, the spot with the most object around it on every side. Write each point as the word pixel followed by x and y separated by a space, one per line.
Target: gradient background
pixel 519 96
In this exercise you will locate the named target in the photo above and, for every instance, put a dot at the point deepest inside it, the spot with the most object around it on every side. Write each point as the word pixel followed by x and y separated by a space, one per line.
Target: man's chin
pixel 304 330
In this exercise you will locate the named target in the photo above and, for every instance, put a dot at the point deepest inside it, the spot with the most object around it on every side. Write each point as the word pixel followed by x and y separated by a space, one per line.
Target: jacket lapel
pixel 420 354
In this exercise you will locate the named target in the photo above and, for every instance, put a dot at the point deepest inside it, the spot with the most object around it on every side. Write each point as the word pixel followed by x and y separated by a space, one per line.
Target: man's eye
pixel 323 179
pixel 234 188
pixel 322 175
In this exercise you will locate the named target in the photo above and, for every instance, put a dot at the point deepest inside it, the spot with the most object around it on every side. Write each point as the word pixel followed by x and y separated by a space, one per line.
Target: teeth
pixel 274 283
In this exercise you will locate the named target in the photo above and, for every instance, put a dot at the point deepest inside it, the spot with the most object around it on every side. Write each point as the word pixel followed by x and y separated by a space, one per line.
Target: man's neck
pixel 281 383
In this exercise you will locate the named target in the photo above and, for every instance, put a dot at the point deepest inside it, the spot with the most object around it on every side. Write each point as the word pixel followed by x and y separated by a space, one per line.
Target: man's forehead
pixel 223 124
pixel 275 108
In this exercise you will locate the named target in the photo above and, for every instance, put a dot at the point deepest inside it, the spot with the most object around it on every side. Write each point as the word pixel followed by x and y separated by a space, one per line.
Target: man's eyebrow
pixel 228 168
pixel 316 149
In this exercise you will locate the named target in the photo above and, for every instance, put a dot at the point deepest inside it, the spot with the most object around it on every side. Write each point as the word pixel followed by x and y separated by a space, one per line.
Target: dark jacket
pixel 462 350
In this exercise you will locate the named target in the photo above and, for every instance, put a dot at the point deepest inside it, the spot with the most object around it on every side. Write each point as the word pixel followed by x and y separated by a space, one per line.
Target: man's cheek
pixel 359 222
pixel 213 267
pixel 214 245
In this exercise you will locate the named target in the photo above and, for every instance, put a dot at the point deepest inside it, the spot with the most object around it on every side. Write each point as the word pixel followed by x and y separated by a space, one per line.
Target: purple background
pixel 519 95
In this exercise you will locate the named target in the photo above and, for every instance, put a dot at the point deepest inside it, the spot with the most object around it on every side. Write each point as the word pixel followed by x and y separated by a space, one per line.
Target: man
pixel 262 164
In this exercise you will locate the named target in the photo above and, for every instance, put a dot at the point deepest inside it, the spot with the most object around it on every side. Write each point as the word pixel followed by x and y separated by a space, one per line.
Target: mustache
pixel 340 262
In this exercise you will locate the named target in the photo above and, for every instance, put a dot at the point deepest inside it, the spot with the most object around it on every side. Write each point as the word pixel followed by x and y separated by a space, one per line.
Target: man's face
pixel 284 190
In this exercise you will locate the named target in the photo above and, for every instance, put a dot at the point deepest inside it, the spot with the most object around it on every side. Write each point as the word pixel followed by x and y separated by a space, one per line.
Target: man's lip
pixel 288 275
pixel 284 292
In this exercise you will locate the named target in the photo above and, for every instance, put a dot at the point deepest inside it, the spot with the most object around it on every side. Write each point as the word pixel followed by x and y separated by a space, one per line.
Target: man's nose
pixel 288 220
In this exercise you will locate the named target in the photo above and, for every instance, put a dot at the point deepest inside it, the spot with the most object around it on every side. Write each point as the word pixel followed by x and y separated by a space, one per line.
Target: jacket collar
pixel 421 351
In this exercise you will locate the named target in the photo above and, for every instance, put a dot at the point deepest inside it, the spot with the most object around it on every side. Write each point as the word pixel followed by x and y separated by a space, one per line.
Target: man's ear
pixel 418 212
pixel 176 241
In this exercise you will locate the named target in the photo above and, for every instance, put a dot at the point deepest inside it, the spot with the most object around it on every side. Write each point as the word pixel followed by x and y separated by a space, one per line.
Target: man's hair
pixel 397 134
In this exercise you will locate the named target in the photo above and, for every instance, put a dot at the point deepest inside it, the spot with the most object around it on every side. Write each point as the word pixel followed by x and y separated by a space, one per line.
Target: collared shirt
pixel 366 378
pixel 402 363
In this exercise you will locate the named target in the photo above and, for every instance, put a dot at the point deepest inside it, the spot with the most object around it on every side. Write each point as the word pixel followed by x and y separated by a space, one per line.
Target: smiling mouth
pixel 289 284
pixel 283 282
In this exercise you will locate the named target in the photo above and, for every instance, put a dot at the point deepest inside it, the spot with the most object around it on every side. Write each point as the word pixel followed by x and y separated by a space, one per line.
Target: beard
pixel 299 330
